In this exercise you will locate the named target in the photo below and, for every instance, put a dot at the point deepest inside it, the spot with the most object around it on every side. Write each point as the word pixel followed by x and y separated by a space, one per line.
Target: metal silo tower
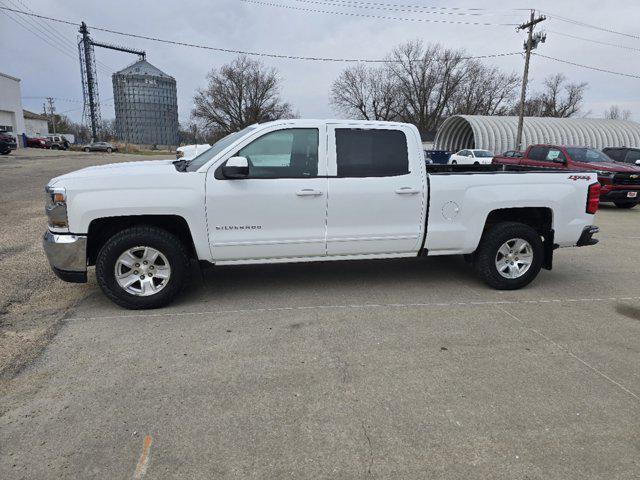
pixel 146 105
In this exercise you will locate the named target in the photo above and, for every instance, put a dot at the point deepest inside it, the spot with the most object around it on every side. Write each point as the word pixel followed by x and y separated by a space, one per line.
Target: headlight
pixel 56 208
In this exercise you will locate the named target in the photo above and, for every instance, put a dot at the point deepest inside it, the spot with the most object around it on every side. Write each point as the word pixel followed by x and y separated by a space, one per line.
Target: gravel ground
pixel 32 299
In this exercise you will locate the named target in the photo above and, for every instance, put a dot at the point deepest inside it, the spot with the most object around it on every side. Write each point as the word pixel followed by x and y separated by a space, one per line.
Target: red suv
pixel 620 181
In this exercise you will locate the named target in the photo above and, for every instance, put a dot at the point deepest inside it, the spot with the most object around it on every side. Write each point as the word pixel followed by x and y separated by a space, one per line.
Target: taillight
pixel 593 198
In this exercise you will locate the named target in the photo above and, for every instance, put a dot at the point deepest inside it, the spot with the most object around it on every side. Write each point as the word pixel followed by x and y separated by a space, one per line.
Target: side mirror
pixel 236 167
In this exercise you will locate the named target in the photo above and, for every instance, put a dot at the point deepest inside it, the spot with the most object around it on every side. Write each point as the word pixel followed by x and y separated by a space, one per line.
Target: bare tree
pixel 614 113
pixel 422 84
pixel 484 91
pixel 427 78
pixel 239 94
pixel 365 92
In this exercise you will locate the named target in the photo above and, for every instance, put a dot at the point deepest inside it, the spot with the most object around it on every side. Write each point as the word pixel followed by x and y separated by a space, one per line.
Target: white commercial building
pixel 35 125
pixel 11 115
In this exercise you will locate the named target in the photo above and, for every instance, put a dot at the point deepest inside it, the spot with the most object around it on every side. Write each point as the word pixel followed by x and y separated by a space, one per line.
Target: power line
pixel 43 35
pixel 595 41
pixel 378 17
pixel 588 25
pixel 240 52
pixel 389 7
pixel 630 75
pixel 421 7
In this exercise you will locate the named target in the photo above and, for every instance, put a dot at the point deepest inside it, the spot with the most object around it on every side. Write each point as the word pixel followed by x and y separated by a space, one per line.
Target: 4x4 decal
pixel 579 177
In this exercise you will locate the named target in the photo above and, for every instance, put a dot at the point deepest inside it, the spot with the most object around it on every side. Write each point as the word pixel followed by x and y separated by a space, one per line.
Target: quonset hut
pixel 498 134
pixel 146 105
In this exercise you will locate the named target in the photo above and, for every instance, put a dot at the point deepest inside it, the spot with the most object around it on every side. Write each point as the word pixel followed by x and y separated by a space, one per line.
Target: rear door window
pixel 371 153
pixel 538 153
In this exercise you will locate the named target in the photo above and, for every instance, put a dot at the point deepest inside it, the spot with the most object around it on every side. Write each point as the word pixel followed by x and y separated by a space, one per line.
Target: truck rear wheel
pixel 142 267
pixel 509 256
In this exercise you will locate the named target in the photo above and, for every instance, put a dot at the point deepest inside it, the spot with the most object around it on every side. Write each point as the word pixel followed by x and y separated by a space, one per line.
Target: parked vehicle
pixel 38 142
pixel 437 156
pixel 513 154
pixel 100 147
pixel 620 182
pixel 188 152
pixel 7 143
pixel 623 154
pixel 261 196
pixel 58 142
pixel 471 157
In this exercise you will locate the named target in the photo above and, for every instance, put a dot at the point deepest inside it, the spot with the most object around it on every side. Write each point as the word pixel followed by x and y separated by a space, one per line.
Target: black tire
pixel 54 147
pixel 487 252
pixel 109 150
pixel 453 162
pixel 626 205
pixel 167 243
pixel 87 149
pixel 476 163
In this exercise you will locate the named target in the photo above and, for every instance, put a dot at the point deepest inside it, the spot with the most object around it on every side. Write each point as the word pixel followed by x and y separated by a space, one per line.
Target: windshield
pixel 216 148
pixel 483 153
pixel 587 155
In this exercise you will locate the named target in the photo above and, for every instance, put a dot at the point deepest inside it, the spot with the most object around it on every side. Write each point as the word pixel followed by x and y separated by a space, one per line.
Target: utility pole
pixel 90 98
pixel 52 112
pixel 531 43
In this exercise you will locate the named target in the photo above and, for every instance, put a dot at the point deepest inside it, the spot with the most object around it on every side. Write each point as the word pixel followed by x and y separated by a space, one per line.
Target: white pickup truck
pixel 303 191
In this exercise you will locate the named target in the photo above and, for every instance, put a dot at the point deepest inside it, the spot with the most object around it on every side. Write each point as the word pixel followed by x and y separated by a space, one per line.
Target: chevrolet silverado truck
pixel 620 182
pixel 305 191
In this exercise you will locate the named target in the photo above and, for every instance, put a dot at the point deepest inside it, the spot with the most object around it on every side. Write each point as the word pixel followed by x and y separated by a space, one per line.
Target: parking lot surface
pixel 376 369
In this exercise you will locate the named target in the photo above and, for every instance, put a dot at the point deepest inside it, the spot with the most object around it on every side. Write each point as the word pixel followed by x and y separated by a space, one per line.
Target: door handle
pixel 308 192
pixel 407 191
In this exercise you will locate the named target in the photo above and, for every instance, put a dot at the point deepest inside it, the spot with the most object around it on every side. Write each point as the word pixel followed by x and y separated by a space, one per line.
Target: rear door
pixel 544 157
pixel 376 190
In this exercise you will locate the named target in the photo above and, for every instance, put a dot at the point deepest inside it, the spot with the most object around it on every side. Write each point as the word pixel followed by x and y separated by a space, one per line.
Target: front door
pixel 376 195
pixel 279 210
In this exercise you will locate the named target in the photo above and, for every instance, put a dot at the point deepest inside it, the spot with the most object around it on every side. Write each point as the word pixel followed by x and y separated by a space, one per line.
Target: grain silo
pixel 146 105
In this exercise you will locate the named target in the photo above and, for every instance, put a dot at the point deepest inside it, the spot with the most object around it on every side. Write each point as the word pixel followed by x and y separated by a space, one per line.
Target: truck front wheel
pixel 142 267
pixel 509 256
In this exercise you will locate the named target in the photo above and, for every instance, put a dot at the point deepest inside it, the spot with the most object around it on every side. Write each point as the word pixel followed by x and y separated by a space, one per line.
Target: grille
pixel 627 179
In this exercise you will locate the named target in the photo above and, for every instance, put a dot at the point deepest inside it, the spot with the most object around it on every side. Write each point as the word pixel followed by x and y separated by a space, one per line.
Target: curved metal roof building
pixel 498 134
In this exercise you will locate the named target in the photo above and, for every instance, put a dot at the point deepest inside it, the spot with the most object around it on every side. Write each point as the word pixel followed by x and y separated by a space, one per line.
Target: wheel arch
pixel 102 229
pixel 538 218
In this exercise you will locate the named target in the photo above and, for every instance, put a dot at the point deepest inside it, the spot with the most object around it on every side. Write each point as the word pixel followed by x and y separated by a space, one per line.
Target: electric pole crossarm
pixel 141 53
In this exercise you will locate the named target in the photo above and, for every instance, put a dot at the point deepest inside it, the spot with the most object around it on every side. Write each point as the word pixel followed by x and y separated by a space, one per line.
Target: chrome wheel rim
pixel 514 258
pixel 142 271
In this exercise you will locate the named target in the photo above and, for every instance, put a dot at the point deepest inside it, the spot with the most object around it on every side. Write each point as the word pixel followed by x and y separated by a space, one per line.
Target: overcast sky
pixel 234 24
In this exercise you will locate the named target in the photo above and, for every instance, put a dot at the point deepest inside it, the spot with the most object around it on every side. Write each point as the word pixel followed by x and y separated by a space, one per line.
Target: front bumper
pixel 587 236
pixel 67 255
pixel 618 193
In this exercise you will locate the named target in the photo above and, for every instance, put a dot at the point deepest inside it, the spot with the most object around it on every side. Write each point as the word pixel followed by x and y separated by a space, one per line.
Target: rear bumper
pixel 67 255
pixel 587 236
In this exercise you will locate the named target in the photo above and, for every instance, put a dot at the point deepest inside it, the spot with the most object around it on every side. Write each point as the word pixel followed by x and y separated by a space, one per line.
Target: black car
pixel 7 143
pixel 623 154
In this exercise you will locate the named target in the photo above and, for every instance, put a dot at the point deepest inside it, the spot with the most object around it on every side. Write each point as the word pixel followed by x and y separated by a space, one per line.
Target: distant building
pixel 146 106
pixel 35 125
pixel 11 115
pixel 498 134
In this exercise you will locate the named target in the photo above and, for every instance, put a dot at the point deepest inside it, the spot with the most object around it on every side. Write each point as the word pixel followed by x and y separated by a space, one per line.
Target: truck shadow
pixel 339 277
